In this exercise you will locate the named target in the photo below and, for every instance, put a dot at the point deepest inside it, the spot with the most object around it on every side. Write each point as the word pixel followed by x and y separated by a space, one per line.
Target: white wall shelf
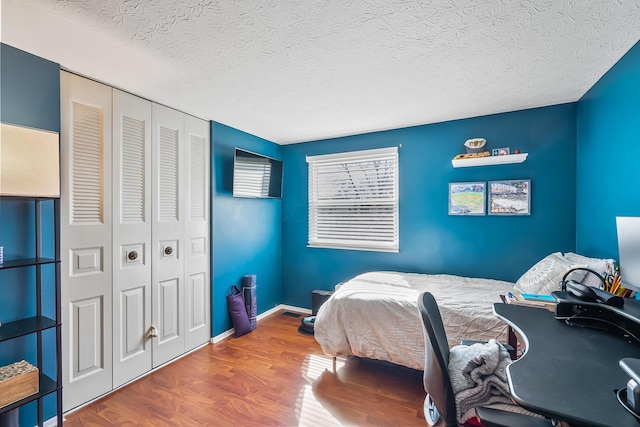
pixel 489 160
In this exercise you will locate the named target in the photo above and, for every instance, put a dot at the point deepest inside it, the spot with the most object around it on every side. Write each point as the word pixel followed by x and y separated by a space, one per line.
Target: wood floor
pixel 273 376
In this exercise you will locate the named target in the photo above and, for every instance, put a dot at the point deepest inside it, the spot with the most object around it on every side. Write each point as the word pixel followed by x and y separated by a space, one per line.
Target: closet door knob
pixel 133 255
pixel 168 250
pixel 152 332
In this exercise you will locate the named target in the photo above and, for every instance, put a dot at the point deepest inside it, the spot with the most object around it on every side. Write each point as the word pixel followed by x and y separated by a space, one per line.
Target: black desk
pixel 568 372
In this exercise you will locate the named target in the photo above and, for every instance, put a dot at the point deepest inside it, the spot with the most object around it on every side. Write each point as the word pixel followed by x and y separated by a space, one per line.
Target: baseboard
pixel 51 422
pixel 294 308
pixel 267 313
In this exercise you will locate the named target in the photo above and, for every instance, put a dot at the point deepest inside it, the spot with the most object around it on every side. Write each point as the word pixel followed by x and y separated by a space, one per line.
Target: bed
pixel 375 315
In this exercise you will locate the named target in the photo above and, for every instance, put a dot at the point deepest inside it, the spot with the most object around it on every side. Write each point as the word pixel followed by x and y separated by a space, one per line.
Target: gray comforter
pixel 375 315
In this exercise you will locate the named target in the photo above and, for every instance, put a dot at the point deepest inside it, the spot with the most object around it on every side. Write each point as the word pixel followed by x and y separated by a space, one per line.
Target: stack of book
pixel 532 300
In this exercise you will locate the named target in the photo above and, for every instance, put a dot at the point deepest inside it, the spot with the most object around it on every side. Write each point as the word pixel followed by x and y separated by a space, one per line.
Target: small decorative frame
pixel 511 197
pixel 467 198
pixel 505 151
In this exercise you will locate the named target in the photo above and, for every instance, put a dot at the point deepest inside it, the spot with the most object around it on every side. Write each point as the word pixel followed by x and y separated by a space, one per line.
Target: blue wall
pixel 246 232
pixel 431 241
pixel 30 96
pixel 608 129
pixel 30 90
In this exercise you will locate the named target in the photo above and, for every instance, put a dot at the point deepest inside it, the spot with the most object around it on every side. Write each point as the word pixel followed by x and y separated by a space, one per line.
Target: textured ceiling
pixel 301 70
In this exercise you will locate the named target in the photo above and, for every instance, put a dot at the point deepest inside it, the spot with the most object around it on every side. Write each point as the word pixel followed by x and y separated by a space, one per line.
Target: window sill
pixel 353 248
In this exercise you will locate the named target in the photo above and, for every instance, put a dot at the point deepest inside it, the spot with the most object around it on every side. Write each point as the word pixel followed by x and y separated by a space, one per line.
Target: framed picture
pixel 467 198
pixel 501 151
pixel 512 197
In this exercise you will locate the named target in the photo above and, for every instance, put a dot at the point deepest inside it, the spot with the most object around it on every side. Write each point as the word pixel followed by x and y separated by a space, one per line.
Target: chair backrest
pixel 437 382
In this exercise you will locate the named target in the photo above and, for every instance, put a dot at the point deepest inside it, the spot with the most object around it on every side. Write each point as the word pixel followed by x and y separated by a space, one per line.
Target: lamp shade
pixel 29 162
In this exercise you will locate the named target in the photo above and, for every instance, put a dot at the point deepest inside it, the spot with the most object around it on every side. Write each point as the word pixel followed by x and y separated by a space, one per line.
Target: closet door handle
pixel 168 250
pixel 133 255
pixel 152 332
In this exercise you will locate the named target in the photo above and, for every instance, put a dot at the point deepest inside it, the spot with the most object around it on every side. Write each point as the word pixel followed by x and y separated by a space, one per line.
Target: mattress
pixel 375 315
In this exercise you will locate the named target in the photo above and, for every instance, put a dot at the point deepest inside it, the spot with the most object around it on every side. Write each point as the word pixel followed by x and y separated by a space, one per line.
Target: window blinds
pixel 353 200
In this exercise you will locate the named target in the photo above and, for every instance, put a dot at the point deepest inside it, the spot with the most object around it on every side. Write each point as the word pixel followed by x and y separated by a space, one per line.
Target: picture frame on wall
pixel 510 197
pixel 467 198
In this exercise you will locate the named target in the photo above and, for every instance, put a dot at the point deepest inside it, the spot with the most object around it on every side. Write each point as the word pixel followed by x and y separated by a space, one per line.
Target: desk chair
pixel 440 403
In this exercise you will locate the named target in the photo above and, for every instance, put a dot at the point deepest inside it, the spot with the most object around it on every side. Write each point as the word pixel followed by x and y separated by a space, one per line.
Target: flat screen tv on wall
pixel 256 176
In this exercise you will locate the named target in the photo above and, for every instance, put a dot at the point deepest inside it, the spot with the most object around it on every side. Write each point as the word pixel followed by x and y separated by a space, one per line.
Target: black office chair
pixel 440 403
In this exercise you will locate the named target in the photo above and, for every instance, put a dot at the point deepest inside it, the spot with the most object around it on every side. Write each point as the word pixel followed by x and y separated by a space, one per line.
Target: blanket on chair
pixel 478 377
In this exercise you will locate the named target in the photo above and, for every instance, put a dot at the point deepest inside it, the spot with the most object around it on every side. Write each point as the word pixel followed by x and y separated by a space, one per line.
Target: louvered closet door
pixel 131 236
pixel 167 233
pixel 197 281
pixel 85 239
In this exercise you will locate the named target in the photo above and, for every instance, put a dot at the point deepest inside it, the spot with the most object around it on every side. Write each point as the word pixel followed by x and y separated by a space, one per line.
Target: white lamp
pixel 29 162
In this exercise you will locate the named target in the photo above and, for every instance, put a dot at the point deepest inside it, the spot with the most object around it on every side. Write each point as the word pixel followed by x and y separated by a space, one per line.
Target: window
pixel 353 200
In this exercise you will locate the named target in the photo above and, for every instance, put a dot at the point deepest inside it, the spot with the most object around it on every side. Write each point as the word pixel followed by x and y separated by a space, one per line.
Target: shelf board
pixel 26 262
pixel 26 326
pixel 489 160
pixel 47 385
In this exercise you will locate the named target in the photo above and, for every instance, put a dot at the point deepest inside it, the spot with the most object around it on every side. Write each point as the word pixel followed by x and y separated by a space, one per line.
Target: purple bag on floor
pixel 238 313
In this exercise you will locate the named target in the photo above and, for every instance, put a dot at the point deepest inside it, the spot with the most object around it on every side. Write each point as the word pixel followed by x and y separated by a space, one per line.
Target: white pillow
pixel 545 276
pixel 599 265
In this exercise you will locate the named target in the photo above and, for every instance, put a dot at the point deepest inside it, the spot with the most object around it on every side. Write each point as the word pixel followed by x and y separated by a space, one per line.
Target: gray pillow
pixel 545 276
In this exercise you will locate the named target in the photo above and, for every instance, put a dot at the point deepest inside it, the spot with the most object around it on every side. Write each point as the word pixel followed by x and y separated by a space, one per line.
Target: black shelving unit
pixel 39 323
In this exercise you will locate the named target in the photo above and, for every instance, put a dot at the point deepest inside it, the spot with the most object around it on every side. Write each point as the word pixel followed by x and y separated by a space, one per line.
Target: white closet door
pixel 196 259
pixel 131 236
pixel 85 239
pixel 167 233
